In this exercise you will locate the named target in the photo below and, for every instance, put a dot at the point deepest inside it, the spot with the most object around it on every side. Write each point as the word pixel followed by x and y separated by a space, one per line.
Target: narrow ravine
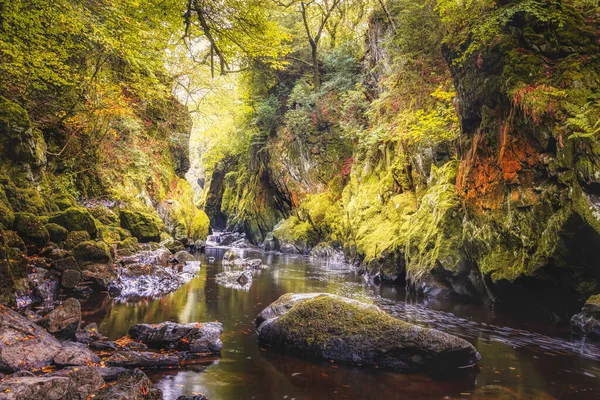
pixel 521 360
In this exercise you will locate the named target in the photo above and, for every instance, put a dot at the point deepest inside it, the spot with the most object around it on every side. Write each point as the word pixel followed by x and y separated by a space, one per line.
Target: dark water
pixel 523 358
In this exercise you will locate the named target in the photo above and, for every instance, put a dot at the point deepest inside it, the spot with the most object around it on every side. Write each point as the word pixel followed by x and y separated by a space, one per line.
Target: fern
pixel 585 120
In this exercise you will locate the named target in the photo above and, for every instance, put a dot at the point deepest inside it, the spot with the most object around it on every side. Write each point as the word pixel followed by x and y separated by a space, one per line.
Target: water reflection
pixel 519 361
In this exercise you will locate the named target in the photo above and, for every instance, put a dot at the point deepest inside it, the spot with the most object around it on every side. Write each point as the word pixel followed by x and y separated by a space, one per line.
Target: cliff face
pixel 486 185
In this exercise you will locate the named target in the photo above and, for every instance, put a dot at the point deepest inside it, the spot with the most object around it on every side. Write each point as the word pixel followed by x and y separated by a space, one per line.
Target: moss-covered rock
pixel 64 201
pixel 334 328
pixel 145 227
pixel 97 252
pixel 31 229
pixel 173 245
pixel 76 219
pixel 58 234
pixel 105 215
pixel 587 322
pixel 128 247
pixel 75 238
pixel 7 217
pixel 13 267
pixel 112 234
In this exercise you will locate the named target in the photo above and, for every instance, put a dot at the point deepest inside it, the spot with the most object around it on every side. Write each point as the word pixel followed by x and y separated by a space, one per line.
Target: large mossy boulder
pixel 587 322
pixel 144 227
pixel 76 219
pixel 7 217
pixel 75 238
pixel 91 251
pixel 335 328
pixel 58 234
pixel 31 229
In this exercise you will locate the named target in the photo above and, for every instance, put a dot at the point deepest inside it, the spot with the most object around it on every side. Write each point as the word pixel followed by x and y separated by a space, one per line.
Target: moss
pixel 112 234
pixel 75 238
pixel 7 217
pixel 25 199
pixel 92 251
pixel 58 234
pixel 76 219
pixel 64 201
pixel 32 230
pixel 144 227
pixel 173 245
pixel 105 215
pixel 594 300
pixel 12 240
pixel 128 247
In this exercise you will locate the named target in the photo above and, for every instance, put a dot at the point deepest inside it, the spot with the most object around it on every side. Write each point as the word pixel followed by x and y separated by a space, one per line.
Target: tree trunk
pixel 315 62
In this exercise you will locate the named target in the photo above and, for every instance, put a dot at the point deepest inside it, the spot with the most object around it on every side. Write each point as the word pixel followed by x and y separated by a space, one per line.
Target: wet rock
pixel 182 257
pixel 24 345
pixel 132 385
pixel 335 328
pixel 193 337
pixel 144 359
pixel 173 245
pixel 587 322
pixel 110 374
pixel 76 354
pixel 150 281
pixel 89 334
pixel 326 252
pixel 246 263
pixel 66 264
pixel 241 280
pixel 287 248
pixel 196 397
pixel 43 288
pixel 64 320
pixel 270 243
pixel 70 278
pixel 45 387
pixel 160 256
pixel 87 380
pixel 229 256
pixel 104 345
pixel 242 244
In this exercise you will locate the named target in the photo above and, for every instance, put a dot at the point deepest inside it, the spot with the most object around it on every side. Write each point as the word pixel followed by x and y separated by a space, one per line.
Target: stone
pixel 587 322
pixel 65 264
pixel 97 252
pixel 182 257
pixel 58 234
pixel 44 387
pixel 87 380
pixel 144 359
pixel 24 345
pixel 335 328
pixel 196 397
pixel 110 374
pixel 192 337
pixel 132 385
pixel 70 278
pixel 64 320
pixel 75 238
pixel 160 256
pixel 89 334
pixel 104 345
pixel 241 280
pixel 76 354
pixel 75 219
pixel 143 226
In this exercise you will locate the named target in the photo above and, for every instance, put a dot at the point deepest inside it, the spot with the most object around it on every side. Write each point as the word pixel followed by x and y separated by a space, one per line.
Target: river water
pixel 522 357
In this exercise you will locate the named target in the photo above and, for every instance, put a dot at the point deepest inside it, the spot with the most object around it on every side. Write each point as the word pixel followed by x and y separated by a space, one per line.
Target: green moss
pixel 75 238
pixel 594 300
pixel 128 247
pixel 25 199
pixel 7 217
pixel 12 240
pixel 144 227
pixel 58 234
pixel 64 201
pixel 12 116
pixel 105 216
pixel 112 234
pixel 173 245
pixel 92 251
pixel 31 229
pixel 76 219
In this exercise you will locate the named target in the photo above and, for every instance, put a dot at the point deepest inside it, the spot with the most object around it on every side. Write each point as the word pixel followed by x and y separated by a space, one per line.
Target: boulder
pixel 97 252
pixel 335 328
pixel 65 264
pixel 241 280
pixel 173 245
pixel 75 238
pixel 144 227
pixel 182 257
pixel 89 334
pixel 58 234
pixel 31 229
pixel 128 247
pixel 192 337
pixel 64 320
pixel 70 278
pixel 76 354
pixel 24 345
pixel 132 385
pixel 43 287
pixel 587 322
pixel 101 274
pixel 159 256
pixel 42 388
pixel 111 374
pixel 87 380
pixel 75 219
pixel 104 345
pixel 144 359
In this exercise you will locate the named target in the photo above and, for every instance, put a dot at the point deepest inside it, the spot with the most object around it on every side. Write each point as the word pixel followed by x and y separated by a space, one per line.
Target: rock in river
pixel 335 328
pixel 587 322
pixel 144 359
pixel 133 385
pixel 64 320
pixel 241 280
pixel 24 345
pixel 193 337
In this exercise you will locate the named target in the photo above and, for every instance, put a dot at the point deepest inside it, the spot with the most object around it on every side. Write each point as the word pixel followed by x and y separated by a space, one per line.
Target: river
pixel 523 357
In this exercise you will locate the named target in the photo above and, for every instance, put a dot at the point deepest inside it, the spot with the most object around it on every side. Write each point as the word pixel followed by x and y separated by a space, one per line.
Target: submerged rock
pixel 193 337
pixel 133 385
pixel 24 345
pixel 144 359
pixel 335 328
pixel 241 280
pixel 587 322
